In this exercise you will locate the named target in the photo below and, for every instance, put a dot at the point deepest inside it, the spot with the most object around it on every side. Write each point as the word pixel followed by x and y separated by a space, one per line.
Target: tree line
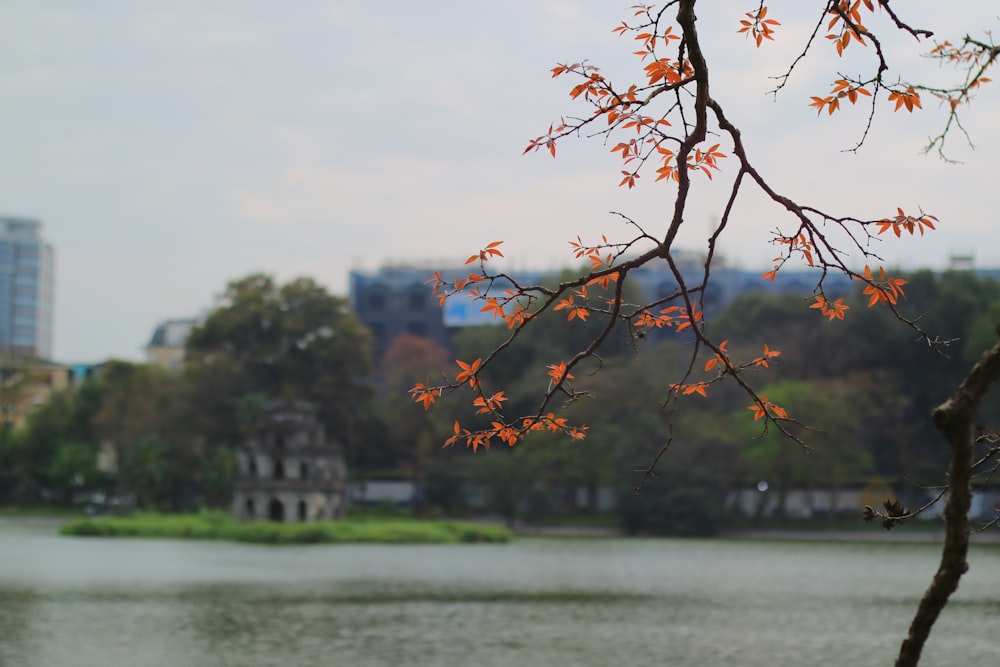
pixel 863 391
pixel 166 439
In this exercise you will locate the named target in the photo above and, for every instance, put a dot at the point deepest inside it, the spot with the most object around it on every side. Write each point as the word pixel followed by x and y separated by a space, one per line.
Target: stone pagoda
pixel 286 471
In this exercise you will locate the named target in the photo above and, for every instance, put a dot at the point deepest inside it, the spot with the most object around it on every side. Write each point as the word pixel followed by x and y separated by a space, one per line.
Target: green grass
pixel 220 526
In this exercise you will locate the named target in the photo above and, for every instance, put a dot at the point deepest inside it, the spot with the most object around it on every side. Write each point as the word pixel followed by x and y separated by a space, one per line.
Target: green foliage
pixel 147 470
pixel 504 478
pixel 73 469
pixel 890 384
pixel 830 453
pixel 983 331
pixel 218 526
pixel 410 435
pixel 217 475
pixel 443 491
pixel 27 456
pixel 12 473
pixel 862 387
pixel 135 402
pixel 270 341
pixel 171 434
pixel 687 504
pixel 686 495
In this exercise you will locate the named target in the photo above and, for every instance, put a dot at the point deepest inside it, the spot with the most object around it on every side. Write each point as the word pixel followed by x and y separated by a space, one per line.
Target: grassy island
pixel 220 526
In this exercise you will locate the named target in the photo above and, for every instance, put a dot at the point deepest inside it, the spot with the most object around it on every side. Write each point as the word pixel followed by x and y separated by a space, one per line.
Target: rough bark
pixel 955 419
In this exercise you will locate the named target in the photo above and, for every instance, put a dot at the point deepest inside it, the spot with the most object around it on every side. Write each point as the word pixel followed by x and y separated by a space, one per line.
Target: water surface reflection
pixel 80 602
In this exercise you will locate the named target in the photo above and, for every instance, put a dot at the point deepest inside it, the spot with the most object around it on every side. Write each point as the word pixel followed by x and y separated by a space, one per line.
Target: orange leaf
pixel 468 372
pixel 424 394
pixel 558 372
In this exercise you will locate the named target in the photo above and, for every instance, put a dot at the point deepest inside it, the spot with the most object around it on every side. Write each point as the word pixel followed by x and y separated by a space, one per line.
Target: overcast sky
pixel 169 148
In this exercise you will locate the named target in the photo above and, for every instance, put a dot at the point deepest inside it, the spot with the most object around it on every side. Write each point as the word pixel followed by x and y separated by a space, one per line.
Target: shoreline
pixel 875 534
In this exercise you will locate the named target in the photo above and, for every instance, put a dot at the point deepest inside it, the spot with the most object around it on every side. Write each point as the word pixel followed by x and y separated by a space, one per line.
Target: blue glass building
pixel 26 288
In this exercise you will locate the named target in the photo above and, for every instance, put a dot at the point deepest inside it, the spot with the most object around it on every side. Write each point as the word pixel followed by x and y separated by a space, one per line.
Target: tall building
pixel 26 288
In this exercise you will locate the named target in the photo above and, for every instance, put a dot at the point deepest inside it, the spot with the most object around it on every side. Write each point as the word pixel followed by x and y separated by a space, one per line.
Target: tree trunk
pixel 955 418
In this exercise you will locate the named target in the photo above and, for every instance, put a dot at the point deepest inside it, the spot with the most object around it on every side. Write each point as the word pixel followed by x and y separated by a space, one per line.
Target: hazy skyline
pixel 169 148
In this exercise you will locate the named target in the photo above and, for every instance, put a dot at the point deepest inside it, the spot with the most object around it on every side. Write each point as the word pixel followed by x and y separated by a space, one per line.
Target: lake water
pixel 79 602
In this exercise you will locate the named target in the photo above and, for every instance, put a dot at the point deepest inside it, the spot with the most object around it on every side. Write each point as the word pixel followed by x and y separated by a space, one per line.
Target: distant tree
pixel 411 358
pixel 834 457
pixel 149 472
pixel 291 341
pixel 73 470
pixel 138 404
pixel 132 403
pixel 67 416
pixel 31 450
pixel 411 434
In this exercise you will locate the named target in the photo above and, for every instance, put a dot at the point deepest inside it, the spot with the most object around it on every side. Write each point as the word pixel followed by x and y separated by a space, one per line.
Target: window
pixel 418 300
pixel 276 510
pixel 378 332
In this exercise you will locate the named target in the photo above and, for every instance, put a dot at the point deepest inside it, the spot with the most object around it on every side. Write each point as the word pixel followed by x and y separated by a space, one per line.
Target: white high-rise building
pixel 26 288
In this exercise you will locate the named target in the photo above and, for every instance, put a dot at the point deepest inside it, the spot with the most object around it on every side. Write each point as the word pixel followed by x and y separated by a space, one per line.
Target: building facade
pixel 26 288
pixel 394 301
pixel 166 346
pixel 397 300
pixel 26 383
